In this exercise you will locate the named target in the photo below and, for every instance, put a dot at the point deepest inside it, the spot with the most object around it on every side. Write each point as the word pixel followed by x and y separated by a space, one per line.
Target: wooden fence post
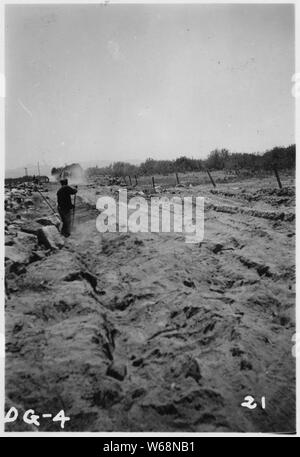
pixel 177 179
pixel 211 178
pixel 153 183
pixel 277 176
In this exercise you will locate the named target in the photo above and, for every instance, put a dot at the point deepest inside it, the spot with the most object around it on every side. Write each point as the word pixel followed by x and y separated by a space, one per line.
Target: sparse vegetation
pixel 219 159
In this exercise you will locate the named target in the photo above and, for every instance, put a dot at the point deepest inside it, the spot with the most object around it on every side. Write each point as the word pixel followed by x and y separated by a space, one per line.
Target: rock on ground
pixel 50 237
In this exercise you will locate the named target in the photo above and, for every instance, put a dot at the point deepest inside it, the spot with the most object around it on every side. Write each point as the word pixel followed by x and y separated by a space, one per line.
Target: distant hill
pixel 46 169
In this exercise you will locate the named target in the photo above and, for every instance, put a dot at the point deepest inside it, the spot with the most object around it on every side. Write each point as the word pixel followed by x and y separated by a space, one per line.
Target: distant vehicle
pixel 43 179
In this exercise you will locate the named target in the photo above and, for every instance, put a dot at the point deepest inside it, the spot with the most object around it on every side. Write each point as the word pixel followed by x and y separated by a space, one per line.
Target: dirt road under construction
pixel 144 332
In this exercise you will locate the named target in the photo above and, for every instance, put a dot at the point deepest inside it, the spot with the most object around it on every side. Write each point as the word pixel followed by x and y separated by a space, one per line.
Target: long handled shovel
pixel 46 201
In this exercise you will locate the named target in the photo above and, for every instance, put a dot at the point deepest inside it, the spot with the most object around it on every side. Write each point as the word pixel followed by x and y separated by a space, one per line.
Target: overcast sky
pixel 121 82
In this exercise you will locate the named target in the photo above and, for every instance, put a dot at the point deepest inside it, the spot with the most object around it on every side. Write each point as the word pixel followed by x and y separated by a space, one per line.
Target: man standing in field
pixel 65 206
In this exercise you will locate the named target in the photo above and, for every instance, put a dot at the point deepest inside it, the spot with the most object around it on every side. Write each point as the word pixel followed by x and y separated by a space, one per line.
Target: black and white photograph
pixel 149 218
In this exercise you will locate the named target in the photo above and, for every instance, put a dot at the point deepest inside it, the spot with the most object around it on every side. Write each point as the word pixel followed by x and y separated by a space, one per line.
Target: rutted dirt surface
pixel 144 332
